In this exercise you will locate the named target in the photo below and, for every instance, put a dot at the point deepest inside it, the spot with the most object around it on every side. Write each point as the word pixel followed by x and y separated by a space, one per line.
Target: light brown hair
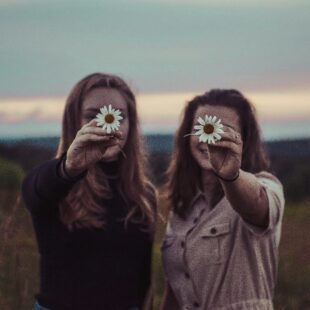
pixel 81 207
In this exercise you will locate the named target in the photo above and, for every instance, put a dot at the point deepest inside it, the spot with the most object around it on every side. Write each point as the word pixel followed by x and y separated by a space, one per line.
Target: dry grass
pixel 19 257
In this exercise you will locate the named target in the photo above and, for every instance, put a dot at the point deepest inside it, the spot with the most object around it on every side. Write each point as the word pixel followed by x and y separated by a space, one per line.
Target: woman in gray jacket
pixel 220 250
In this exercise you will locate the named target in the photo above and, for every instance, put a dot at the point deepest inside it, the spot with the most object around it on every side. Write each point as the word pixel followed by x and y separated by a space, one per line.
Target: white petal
pixel 118 117
pixel 217 136
pixel 217 127
pixel 108 129
pixel 199 132
pixel 202 138
pixel 198 127
pixel 201 121
pixel 206 117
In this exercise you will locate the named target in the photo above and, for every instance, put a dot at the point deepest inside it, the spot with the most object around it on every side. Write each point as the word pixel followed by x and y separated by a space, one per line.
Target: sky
pixel 168 52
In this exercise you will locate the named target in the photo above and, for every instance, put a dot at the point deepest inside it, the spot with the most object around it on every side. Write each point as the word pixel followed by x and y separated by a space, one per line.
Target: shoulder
pixel 272 185
pixel 268 179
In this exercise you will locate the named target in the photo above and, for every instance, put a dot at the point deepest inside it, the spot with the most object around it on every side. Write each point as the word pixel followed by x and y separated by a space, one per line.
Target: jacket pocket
pixel 215 242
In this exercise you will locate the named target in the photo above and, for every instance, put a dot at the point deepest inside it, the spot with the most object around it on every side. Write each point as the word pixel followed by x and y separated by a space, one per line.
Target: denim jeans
pixel 37 306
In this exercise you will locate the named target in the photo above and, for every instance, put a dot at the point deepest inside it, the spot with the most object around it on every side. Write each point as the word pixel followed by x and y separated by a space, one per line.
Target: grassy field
pixel 19 258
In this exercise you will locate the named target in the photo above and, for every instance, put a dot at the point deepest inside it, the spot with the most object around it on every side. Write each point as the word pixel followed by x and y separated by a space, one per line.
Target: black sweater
pixel 86 268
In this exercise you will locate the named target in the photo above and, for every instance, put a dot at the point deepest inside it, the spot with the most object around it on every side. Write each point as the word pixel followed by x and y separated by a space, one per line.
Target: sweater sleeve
pixel 43 187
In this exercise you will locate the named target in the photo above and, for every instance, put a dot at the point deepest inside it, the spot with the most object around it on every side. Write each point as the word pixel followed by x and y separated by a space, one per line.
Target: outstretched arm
pixel 248 197
pixel 246 192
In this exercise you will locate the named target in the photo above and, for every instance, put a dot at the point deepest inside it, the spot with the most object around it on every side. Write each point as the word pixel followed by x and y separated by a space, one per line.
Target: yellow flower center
pixel 208 128
pixel 109 118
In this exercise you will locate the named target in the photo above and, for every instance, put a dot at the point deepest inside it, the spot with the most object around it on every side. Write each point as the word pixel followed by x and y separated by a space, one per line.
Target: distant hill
pixel 162 143
pixel 289 159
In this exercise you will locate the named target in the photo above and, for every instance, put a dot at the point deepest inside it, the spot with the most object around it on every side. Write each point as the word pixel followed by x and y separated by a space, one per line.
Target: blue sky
pixel 157 46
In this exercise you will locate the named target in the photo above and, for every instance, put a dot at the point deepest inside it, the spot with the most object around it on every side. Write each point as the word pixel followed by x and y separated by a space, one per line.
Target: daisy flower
pixel 209 129
pixel 109 118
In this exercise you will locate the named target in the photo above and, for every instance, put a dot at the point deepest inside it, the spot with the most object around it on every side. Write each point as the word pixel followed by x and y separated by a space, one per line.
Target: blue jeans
pixel 37 306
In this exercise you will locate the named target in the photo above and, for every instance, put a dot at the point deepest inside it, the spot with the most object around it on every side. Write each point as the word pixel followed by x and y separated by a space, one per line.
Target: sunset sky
pixel 168 51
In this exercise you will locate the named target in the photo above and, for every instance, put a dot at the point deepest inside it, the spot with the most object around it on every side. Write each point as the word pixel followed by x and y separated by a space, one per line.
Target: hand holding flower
pixel 231 144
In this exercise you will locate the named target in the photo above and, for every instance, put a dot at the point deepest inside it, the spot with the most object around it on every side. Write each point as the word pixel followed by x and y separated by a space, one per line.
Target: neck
pixel 211 187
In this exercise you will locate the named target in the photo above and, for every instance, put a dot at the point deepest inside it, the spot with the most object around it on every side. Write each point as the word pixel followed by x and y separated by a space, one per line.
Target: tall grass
pixel 19 260
pixel 18 253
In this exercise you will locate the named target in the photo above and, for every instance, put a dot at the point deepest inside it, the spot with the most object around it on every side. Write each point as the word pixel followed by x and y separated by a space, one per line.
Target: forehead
pixel 229 116
pixel 99 97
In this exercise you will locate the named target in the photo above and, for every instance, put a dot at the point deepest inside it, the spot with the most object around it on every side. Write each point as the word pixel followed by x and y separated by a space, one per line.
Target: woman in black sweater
pixel 92 206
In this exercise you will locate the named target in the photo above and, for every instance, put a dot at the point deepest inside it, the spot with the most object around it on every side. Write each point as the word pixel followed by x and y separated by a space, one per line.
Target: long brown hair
pixel 183 173
pixel 81 208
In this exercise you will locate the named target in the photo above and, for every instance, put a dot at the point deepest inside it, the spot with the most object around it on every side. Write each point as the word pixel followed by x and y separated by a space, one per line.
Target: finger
pixel 228 145
pixel 94 130
pixel 91 123
pixel 116 134
pixel 229 128
pixel 231 136
pixel 93 137
pixel 99 131
pixel 103 140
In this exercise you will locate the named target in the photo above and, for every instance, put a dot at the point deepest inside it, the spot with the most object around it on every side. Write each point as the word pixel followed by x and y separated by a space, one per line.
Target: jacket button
pixel 182 244
pixel 196 304
pixel 186 275
pixel 213 230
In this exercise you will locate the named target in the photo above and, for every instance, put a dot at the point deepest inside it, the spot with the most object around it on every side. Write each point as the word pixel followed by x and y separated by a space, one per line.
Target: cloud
pixel 15 110
pixel 282 115
pixel 160 108
pixel 46 47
